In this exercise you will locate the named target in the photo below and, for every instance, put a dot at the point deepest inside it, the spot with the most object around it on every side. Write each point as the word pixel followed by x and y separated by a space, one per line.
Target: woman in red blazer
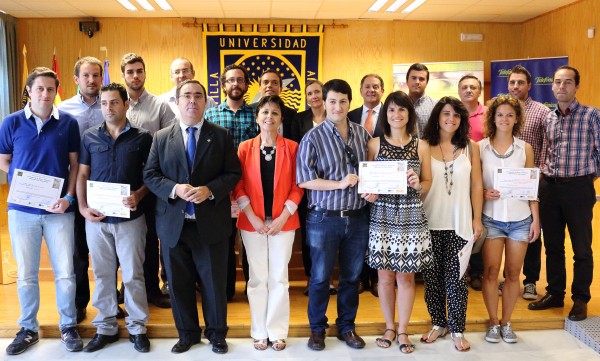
pixel 268 197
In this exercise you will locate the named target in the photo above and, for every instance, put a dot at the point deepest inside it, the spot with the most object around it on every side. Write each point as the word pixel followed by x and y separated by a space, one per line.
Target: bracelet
pixel 70 199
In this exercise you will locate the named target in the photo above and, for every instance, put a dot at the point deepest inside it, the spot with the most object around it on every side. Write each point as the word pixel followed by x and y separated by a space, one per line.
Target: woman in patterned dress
pixel 399 239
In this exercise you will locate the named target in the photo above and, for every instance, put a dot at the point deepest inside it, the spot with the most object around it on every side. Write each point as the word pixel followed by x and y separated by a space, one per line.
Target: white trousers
pixel 268 286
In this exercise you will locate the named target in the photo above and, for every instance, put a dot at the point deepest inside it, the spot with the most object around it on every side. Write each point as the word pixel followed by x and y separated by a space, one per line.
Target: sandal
pixel 442 332
pixel 461 338
pixel 384 342
pixel 261 344
pixel 405 347
pixel 278 345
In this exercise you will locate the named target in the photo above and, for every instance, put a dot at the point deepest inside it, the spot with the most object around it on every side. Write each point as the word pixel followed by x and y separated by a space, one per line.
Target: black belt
pixel 189 220
pixel 568 179
pixel 344 213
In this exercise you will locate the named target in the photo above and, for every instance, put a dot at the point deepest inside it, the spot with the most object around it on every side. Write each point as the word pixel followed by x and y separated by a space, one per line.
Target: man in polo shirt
pixel 570 165
pixel 85 107
pixel 148 112
pixel 238 118
pixel 116 152
pixel 42 139
pixel 417 78
pixel 337 224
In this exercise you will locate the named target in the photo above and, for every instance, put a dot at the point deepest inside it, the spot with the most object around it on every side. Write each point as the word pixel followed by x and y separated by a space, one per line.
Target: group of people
pixel 199 172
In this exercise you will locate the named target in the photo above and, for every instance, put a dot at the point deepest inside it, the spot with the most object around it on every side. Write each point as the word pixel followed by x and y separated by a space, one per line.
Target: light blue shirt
pixel 87 116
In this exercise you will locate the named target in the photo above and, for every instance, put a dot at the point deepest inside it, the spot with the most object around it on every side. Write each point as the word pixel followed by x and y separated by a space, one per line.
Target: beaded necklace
pixel 448 169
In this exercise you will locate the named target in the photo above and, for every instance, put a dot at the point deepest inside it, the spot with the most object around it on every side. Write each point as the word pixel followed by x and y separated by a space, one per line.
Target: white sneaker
pixel 529 292
pixel 493 334
pixel 508 335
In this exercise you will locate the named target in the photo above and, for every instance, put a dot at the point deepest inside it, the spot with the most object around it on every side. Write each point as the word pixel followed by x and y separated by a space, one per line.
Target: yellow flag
pixel 55 69
pixel 24 96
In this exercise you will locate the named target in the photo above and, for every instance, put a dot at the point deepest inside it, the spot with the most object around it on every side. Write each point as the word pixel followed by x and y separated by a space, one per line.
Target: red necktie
pixel 369 121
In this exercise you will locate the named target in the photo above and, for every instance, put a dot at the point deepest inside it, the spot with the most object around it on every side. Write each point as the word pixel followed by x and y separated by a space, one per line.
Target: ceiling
pixel 511 11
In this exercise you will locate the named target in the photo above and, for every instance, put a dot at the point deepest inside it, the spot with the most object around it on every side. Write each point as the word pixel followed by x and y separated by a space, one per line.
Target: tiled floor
pixel 533 345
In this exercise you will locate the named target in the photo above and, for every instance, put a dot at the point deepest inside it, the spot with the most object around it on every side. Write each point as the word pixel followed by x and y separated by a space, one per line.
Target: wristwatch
pixel 70 199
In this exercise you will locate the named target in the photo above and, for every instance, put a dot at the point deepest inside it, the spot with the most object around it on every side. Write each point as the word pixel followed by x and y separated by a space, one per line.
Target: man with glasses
pixel 238 118
pixel 337 224
pixel 181 69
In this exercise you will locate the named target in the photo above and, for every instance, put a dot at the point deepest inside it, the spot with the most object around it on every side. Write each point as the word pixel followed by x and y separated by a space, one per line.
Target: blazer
pixel 302 124
pixel 216 166
pixel 284 185
pixel 356 117
pixel 287 117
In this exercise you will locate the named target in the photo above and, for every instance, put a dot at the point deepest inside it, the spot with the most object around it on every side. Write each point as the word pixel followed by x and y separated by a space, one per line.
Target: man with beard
pixel 85 107
pixel 147 111
pixel 238 118
pixel 417 78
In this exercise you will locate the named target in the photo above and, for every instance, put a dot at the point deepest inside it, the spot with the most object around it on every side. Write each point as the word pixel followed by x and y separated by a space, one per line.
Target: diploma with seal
pixel 107 198
pixel 517 183
pixel 34 190
pixel 382 177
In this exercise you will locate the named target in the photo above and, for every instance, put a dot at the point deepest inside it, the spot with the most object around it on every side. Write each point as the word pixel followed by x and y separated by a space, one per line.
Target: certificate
pixel 107 198
pixel 517 183
pixel 383 177
pixel 34 189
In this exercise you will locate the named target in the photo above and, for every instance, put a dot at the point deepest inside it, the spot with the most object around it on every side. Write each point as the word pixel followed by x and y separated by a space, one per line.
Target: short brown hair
pixel 41 71
pixel 88 60
pixel 131 58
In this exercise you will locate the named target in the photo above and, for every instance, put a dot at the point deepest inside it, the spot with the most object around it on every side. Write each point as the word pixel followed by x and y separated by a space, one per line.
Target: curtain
pixel 9 70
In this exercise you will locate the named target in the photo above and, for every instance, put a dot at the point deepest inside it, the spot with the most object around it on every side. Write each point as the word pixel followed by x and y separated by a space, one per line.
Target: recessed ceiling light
pixel 127 5
pixel 395 6
pixel 163 4
pixel 146 5
pixel 413 6
pixel 377 5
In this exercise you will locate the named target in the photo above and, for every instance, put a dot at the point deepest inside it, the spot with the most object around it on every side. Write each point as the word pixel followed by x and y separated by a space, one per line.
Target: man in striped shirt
pixel 570 165
pixel 337 223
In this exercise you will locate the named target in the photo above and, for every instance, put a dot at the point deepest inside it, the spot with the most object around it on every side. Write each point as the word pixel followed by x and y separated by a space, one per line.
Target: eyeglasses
pixel 235 80
pixel 189 97
pixel 351 156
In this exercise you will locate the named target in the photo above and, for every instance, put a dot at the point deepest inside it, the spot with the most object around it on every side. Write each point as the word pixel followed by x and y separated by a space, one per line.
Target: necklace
pixel 507 154
pixel 448 169
pixel 268 156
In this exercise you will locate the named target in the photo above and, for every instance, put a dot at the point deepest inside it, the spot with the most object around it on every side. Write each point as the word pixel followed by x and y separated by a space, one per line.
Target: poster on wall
pixel 296 56
pixel 542 73
pixel 443 77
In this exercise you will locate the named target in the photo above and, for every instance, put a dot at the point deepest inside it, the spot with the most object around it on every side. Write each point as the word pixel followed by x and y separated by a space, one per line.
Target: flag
pixel 24 96
pixel 58 98
pixel 106 79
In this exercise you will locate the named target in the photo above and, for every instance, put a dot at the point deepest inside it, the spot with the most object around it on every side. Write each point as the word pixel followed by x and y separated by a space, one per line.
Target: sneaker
pixel 508 335
pixel 70 337
pixel 493 334
pixel 529 292
pixel 24 339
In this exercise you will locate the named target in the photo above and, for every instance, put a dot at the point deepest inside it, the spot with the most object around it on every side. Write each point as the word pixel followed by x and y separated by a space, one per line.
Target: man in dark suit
pixel 191 168
pixel 371 90
pixel 270 84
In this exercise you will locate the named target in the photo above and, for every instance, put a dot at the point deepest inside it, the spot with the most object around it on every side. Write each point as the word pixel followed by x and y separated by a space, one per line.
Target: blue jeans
pixel 331 237
pixel 26 231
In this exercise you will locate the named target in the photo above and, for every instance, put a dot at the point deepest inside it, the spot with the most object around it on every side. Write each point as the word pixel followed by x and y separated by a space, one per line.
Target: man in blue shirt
pixel 42 139
pixel 116 152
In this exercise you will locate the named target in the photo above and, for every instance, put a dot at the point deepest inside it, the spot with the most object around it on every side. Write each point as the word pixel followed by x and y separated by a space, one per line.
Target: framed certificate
pixel 382 177
pixel 107 198
pixel 34 190
pixel 517 183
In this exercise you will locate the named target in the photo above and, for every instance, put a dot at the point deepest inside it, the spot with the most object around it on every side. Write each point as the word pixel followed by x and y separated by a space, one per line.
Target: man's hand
pixel 349 181
pixel 91 214
pixel 132 201
pixel 60 206
pixel 189 193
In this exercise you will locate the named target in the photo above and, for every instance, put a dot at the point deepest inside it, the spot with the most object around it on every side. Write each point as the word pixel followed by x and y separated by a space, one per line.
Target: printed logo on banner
pixel 295 56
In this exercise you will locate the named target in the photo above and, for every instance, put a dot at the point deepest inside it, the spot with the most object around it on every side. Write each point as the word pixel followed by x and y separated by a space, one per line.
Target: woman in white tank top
pixel 453 209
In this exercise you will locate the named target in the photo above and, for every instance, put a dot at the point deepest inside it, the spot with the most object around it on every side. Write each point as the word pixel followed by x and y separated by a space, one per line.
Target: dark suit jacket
pixel 356 117
pixel 216 166
pixel 302 124
pixel 288 119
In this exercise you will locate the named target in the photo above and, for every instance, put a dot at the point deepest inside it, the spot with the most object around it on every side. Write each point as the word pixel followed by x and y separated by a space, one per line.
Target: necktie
pixel 369 121
pixel 191 151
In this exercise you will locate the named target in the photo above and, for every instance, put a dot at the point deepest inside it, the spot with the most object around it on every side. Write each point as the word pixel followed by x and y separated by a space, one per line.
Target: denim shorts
pixel 518 230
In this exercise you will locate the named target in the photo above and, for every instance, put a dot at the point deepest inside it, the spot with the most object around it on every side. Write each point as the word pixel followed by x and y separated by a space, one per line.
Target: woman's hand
pixel 491 194
pixel 477 229
pixel 277 224
pixel 534 231
pixel 258 224
pixel 413 179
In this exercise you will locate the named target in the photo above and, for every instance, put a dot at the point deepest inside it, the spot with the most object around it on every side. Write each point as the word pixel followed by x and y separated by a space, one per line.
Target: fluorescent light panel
pixel 127 5
pixel 395 6
pixel 410 8
pixel 377 5
pixel 146 5
pixel 163 4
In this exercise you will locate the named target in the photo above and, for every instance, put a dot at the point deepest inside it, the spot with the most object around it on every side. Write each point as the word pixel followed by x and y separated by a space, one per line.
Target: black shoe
pixel 219 345
pixel 25 338
pixel 475 283
pixel 121 294
pixel 140 342
pixel 546 302
pixel 579 311
pixel 361 287
pixel 81 313
pixel 165 289
pixel 70 337
pixel 375 289
pixel 182 346
pixel 159 300
pixel 352 339
pixel 120 313
pixel 99 341
pixel 316 342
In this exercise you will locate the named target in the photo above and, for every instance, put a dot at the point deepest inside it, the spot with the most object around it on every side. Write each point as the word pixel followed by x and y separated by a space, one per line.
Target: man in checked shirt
pixel 570 165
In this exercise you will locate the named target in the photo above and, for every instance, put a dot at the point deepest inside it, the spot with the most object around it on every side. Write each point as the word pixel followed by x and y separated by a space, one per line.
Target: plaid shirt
pixel 572 142
pixel 241 125
pixel 533 131
pixel 423 107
